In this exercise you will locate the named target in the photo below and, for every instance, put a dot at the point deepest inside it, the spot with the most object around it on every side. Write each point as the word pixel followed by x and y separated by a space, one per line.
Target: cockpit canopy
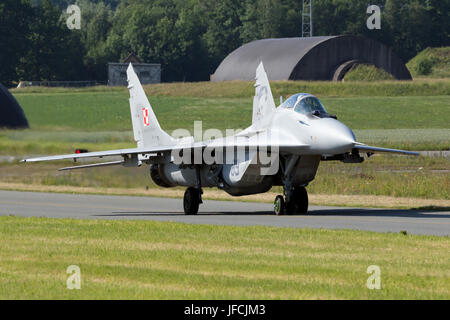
pixel 305 104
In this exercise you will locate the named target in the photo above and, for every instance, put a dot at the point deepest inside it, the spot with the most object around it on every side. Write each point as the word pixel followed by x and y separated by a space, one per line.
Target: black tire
pixel 278 205
pixel 302 200
pixel 191 201
pixel 291 207
pixel 298 203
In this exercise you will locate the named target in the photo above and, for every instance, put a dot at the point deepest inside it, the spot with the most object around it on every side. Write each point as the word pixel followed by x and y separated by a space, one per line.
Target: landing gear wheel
pixel 279 205
pixel 298 203
pixel 302 200
pixel 191 201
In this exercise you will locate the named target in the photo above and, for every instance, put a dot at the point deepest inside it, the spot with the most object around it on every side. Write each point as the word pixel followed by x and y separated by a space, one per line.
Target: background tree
pixel 14 28
pixel 53 51
pixel 96 23
pixel 167 32
pixel 190 37
pixel 223 23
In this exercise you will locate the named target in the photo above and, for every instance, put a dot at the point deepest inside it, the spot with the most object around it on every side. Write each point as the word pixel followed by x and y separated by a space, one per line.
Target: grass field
pixel 243 89
pixel 106 112
pixel 362 72
pixel 431 63
pixel 152 260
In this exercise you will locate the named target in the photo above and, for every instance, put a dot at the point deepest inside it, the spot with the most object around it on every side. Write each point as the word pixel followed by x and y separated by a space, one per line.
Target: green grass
pixel 154 260
pixel 106 112
pixel 245 89
pixel 395 176
pixel 410 139
pixel 431 63
pixel 362 72
pixel 391 112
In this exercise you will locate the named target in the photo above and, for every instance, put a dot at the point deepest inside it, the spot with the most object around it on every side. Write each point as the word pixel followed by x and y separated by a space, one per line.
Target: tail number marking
pixel 146 117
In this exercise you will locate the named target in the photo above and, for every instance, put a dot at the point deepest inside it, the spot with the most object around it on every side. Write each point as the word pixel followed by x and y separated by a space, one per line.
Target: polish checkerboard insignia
pixel 146 117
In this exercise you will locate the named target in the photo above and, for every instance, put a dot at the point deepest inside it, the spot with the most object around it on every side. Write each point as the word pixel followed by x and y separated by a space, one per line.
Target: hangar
pixel 12 115
pixel 314 58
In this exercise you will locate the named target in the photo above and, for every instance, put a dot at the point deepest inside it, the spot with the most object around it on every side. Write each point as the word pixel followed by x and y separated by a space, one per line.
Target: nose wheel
pixel 191 201
pixel 297 202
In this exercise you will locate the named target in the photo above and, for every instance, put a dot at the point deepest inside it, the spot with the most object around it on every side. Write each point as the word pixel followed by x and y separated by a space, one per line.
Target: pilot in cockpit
pixel 305 104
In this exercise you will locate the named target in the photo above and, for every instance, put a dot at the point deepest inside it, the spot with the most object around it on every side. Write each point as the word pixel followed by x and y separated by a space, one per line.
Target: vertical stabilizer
pixel 263 103
pixel 146 128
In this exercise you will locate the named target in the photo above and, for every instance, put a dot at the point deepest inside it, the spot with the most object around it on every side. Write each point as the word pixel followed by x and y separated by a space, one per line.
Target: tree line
pixel 190 37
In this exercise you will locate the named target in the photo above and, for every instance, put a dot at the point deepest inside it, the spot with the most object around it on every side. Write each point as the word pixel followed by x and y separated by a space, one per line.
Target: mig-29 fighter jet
pixel 283 147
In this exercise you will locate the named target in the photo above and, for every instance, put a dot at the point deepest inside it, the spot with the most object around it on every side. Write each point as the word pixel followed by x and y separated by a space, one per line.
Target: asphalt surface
pixel 31 204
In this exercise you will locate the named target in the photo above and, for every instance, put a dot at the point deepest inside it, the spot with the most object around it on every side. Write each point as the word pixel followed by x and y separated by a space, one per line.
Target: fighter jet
pixel 283 147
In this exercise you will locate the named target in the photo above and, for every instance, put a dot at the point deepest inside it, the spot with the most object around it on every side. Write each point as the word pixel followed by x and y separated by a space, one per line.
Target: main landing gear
pixel 192 200
pixel 294 203
pixel 193 196
pixel 295 199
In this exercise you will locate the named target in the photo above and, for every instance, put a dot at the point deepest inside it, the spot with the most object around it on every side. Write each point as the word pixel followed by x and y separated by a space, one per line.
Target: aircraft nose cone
pixel 343 134
pixel 337 138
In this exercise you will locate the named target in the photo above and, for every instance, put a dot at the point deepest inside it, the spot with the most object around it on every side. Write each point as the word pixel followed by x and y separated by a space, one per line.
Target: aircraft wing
pixel 111 153
pixel 370 149
pixel 218 143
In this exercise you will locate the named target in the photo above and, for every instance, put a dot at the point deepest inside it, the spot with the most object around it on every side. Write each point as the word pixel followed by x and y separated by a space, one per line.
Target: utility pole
pixel 307 20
